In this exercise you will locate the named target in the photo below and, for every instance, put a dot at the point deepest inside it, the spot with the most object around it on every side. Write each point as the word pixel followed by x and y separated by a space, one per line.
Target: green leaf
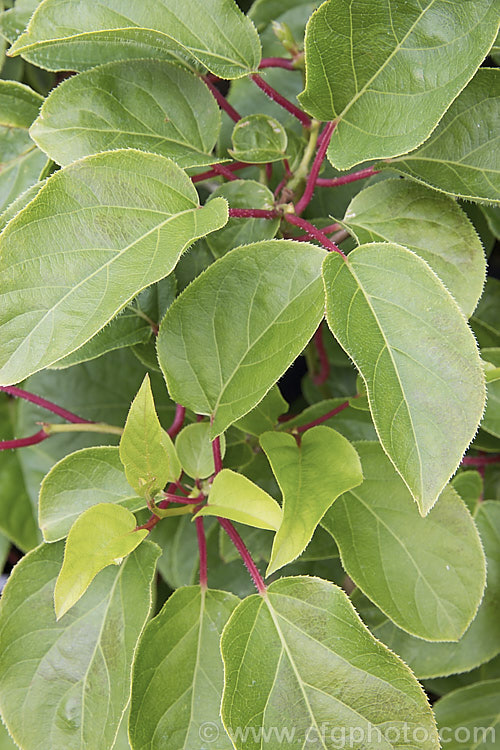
pixel 238 231
pixel 258 139
pixel 237 328
pixel 470 715
pixel 486 318
pixel 427 574
pixel 461 156
pixel 194 448
pixel 98 232
pixel 320 671
pixel 265 415
pixel 14 20
pixel 215 34
pixel 146 450
pixel 102 535
pixel 469 485
pixel 481 641
pixel 150 105
pixel 430 224
pixel 17 521
pixel 491 419
pixel 390 100
pixel 235 497
pixel 79 481
pixel 417 356
pixel 20 159
pixel 311 476
pixel 186 633
pixel 88 655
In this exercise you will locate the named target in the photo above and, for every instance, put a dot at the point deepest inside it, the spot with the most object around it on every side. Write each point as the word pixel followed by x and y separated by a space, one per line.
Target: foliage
pixel 197 200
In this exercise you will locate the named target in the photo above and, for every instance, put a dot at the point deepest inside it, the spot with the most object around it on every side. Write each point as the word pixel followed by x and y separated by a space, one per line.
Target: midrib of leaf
pixel 98 271
pixel 203 593
pixel 396 49
pixel 403 395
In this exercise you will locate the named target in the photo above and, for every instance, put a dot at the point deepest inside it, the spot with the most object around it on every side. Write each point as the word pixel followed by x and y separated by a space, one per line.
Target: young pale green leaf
pixel 88 654
pixel 238 231
pixel 20 160
pixel 98 232
pixel 235 497
pixel 146 450
pixel 186 633
pixel 390 101
pixel 469 485
pixel 17 520
pixel 102 535
pixel 150 105
pixel 427 574
pixel 194 449
pixel 265 415
pixel 258 139
pixel 320 672
pixel 418 358
pixel 237 328
pixel 430 224
pixel 491 419
pixel 462 156
pixel 479 644
pixel 470 715
pixel 311 476
pixel 215 34
pixel 79 481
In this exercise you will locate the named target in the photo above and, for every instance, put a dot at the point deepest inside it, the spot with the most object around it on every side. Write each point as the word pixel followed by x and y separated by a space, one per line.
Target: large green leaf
pixel 417 356
pixel 102 535
pixel 320 673
pixel 215 34
pixel 311 476
pixel 432 225
pixel 235 497
pixel 146 104
pixel 98 232
pixel 427 574
pixel 180 712
pixel 462 156
pixel 146 450
pixel 64 685
pixel 235 330
pixel 471 715
pixel 387 97
pixel 479 644
pixel 17 520
pixel 20 160
pixel 79 481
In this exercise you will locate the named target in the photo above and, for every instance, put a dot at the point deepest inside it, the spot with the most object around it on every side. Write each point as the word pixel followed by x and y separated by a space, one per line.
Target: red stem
pixel 310 229
pixel 224 172
pixel 222 101
pixel 269 171
pixel 324 370
pixel 281 100
pixel 318 161
pixel 213 173
pixel 323 418
pixel 39 401
pixel 245 554
pixel 276 62
pixel 480 460
pixel 176 426
pixel 217 454
pixel 334 181
pixel 252 213
pixel 325 230
pixel 202 547
pixel 38 437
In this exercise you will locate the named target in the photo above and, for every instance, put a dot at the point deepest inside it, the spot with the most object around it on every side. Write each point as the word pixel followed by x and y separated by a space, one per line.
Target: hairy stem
pixel 202 547
pixel 323 418
pixel 480 460
pixel 324 369
pixel 224 172
pixel 303 168
pixel 39 401
pixel 313 175
pixel 211 173
pixel 176 426
pixel 252 213
pixel 276 62
pixel 281 100
pixel 217 454
pixel 334 181
pixel 38 437
pixel 244 553
pixel 314 232
pixel 222 101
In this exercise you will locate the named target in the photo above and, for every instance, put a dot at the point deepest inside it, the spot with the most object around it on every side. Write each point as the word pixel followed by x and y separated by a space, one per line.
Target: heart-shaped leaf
pixel 258 139
pixel 194 448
